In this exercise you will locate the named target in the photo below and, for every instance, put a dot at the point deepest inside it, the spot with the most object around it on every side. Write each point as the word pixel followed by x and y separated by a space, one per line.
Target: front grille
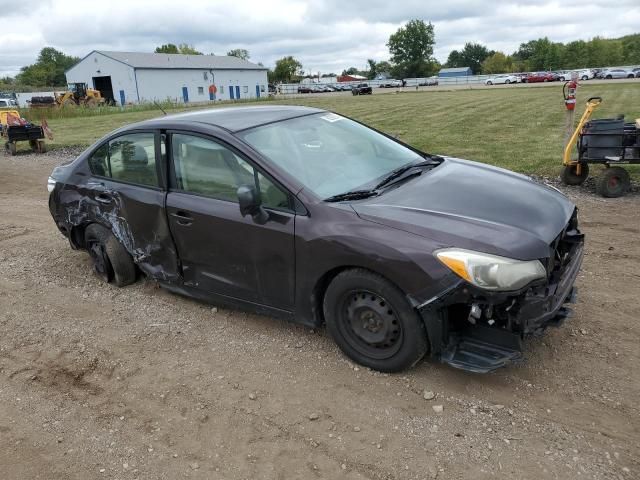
pixel 563 248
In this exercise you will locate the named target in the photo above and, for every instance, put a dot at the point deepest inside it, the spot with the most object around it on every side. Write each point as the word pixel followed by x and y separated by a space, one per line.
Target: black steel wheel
pixel 613 182
pixel 372 323
pixel 111 262
pixel 570 176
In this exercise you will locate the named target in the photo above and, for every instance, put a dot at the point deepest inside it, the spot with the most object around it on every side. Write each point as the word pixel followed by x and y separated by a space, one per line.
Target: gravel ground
pixel 101 382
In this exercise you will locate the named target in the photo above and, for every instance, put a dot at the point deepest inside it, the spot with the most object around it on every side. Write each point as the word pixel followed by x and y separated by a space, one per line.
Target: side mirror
pixel 251 204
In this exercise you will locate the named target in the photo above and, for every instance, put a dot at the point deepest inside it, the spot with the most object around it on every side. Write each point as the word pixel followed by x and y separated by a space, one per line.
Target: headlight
pixel 51 184
pixel 490 271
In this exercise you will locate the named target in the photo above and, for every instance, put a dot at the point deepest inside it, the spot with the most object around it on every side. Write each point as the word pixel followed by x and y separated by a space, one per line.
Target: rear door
pixel 221 251
pixel 126 193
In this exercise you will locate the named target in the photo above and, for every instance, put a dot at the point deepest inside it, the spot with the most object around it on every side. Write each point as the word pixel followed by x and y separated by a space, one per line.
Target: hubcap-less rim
pixel 370 325
pixel 100 260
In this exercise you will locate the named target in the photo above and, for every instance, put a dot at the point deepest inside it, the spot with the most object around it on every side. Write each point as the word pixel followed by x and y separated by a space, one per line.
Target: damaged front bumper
pixel 481 331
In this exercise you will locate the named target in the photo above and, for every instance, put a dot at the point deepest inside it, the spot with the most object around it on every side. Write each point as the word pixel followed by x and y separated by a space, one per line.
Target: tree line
pixel 410 56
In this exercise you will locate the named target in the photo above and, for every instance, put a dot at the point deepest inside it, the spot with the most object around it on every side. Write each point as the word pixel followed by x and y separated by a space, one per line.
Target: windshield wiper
pixel 405 172
pixel 352 195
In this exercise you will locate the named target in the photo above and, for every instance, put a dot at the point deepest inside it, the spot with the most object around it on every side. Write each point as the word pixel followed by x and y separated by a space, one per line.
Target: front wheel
pixel 489 82
pixel 507 82
pixel 570 175
pixel 373 324
pixel 584 78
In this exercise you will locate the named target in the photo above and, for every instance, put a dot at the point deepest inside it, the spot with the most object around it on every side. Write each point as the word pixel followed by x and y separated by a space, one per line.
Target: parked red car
pixel 539 77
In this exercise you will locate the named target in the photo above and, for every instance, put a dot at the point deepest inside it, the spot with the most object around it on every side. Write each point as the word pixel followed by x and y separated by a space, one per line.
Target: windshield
pixel 329 154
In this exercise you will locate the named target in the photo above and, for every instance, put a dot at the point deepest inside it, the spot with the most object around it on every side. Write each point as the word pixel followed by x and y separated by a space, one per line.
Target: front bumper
pixel 480 331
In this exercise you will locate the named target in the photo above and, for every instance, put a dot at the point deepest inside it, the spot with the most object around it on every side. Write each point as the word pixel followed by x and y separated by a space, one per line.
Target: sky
pixel 324 35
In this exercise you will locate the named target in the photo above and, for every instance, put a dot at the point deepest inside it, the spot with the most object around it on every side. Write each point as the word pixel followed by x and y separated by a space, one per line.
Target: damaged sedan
pixel 307 215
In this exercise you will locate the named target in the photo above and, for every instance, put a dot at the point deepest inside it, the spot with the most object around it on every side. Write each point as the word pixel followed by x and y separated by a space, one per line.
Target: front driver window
pixel 206 167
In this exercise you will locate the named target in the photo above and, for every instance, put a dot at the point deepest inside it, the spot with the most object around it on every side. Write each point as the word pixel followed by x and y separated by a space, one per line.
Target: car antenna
pixel 158 105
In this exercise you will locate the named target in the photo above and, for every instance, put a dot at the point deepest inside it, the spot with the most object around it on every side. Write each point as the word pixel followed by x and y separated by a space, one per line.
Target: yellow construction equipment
pixel 79 94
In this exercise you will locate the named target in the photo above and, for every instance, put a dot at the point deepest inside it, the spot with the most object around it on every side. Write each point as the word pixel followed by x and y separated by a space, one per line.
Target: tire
pixel 631 76
pixel 489 82
pixel 546 80
pixel 372 323
pixel 584 78
pixel 608 77
pixel 354 93
pixel 11 148
pixel 507 82
pixel 570 177
pixel 561 79
pixel 614 182
pixel 111 262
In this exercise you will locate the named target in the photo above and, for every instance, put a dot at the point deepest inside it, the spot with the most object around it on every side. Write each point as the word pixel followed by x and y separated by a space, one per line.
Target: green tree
pixel 286 69
pixel 411 48
pixel 167 48
pixel 472 55
pixel 373 69
pixel 497 63
pixel 48 70
pixel 631 49
pixel 182 48
pixel 187 49
pixel 540 54
pixel 242 53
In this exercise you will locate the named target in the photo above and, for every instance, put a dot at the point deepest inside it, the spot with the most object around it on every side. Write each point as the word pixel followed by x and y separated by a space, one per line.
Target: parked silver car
pixel 617 73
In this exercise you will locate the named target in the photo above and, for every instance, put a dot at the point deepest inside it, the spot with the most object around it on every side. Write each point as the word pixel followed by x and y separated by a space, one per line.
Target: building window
pixel 221 89
pixel 261 88
pixel 200 90
pixel 245 89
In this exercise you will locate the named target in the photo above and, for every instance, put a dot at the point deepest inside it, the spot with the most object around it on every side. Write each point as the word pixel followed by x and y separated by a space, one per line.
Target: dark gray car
pixel 307 215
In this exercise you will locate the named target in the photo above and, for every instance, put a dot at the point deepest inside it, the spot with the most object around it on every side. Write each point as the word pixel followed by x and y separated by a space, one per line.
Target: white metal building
pixel 131 77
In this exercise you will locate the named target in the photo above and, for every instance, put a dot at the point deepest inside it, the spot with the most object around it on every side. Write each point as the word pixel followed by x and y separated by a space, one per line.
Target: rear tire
pixel 111 262
pixel 373 324
pixel 614 182
pixel 570 177
pixel 584 78
pixel 489 82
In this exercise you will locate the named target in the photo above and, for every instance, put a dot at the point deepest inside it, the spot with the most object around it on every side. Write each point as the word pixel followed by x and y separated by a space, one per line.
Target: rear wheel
pixel 608 77
pixel 111 262
pixel 614 182
pixel 371 321
pixel 489 82
pixel 570 175
pixel 584 78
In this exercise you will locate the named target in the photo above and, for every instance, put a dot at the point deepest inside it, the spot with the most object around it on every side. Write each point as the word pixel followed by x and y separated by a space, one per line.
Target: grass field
pixel 517 128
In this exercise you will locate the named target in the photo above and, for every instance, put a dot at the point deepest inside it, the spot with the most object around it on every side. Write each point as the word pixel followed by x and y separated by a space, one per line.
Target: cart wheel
pixel 10 147
pixel 570 177
pixel 614 182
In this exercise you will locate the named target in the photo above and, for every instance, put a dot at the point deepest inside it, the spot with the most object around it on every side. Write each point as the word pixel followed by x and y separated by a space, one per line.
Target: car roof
pixel 235 119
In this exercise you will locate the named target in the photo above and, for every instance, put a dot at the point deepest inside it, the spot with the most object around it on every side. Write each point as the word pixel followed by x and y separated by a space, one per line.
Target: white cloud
pixel 325 35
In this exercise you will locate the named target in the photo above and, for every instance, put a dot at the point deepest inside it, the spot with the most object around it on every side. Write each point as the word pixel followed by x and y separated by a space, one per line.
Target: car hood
pixel 471 205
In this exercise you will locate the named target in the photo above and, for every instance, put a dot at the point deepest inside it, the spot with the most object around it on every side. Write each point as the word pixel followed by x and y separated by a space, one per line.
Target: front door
pixel 221 251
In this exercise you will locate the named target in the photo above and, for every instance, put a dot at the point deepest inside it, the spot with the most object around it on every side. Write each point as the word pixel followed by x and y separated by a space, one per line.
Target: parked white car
pixel 501 79
pixel 585 74
pixel 617 73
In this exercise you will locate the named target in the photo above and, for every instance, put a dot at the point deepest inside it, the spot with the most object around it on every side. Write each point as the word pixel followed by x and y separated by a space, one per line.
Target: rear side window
pixel 128 158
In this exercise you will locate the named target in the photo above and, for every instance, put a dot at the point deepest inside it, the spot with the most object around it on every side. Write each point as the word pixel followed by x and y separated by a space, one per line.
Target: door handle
pixel 182 218
pixel 103 198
